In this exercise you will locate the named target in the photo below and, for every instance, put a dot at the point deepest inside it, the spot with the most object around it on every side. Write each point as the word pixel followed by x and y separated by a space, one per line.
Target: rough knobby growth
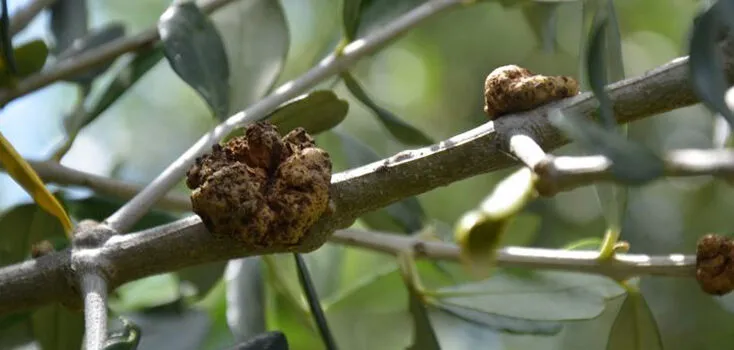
pixel 261 189
pixel 715 264
pixel 510 89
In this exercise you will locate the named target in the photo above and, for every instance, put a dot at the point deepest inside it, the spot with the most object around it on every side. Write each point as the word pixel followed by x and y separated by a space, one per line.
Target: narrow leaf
pixel 351 17
pixel 543 18
pixel 68 22
pixel 56 327
pixel 316 112
pixel 539 296
pixel 245 297
pixel 407 213
pixel 256 39
pixel 265 341
pixel 6 42
pixel 314 303
pixel 706 66
pixel 497 322
pixel 597 69
pixel 635 327
pixel 94 39
pixel 145 293
pixel 196 53
pixel 632 163
pixel 25 176
pixel 399 129
pixel 424 336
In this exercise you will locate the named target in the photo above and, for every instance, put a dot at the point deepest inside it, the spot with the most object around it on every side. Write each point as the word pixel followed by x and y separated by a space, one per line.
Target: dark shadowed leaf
pixel 497 322
pixel 68 22
pixel 29 58
pixel 245 297
pixel 539 296
pixel 6 41
pixel 597 69
pixel 58 328
pixel 141 63
pixel 22 226
pixel 632 163
pixel 399 129
pixel 99 208
pixel 316 112
pixel 351 16
pixel 196 53
pixel 265 341
pixel 127 338
pixel 705 62
pixel 92 40
pixel 635 327
pixel 256 39
pixel 408 214
pixel 360 17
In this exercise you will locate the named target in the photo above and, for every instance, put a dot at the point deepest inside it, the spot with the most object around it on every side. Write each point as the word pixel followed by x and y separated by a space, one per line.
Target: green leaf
pixel 496 322
pixel 68 22
pixel 127 339
pixel 29 58
pixel 22 226
pixel 316 112
pixel 635 327
pixel 399 129
pixel 408 214
pixel 256 39
pixel 597 69
pixel 56 327
pixel 632 163
pixel 351 16
pixel 539 296
pixel 99 208
pixel 479 232
pixel 543 17
pixel 706 66
pixel 140 64
pixel 196 53
pixel 93 40
pixel 26 177
pixel 146 293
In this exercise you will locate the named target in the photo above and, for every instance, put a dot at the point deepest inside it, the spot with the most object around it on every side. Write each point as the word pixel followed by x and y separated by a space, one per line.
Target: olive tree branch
pixel 483 149
pixel 92 58
pixel 132 211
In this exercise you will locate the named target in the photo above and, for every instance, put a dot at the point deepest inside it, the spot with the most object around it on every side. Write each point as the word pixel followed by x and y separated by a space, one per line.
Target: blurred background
pixel 433 78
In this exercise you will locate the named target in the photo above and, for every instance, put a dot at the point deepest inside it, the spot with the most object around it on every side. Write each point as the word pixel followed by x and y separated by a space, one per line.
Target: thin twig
pixel 132 211
pixel 93 58
pixel 94 288
pixel 314 303
pixel 622 266
pixel 25 14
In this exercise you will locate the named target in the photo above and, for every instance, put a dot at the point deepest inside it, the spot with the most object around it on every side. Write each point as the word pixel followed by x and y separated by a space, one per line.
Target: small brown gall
pixel 510 89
